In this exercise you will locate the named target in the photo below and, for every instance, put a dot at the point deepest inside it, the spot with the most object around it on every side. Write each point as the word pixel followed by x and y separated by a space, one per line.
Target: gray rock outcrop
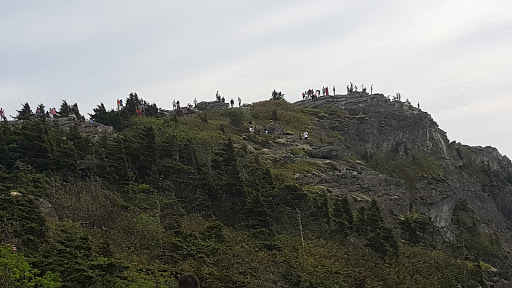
pixel 480 176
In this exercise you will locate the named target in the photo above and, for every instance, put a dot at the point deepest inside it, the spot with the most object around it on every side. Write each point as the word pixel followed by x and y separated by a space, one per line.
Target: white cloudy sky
pixel 454 57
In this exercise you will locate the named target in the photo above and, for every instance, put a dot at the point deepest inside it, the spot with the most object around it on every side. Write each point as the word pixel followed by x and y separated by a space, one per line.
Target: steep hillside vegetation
pixel 376 197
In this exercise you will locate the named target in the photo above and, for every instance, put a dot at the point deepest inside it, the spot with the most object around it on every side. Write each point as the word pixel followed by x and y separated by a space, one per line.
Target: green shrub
pixel 408 168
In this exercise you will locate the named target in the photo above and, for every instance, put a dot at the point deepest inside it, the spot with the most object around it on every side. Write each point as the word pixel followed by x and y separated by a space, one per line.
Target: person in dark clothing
pixel 188 280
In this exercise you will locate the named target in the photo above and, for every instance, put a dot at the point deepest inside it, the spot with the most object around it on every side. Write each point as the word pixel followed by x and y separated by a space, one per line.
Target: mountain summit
pixel 349 190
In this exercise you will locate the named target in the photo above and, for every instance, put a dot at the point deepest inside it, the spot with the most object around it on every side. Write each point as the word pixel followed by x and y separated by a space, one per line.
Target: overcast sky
pixel 454 57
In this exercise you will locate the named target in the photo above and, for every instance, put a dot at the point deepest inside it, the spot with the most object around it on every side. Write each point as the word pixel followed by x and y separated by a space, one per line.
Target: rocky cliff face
pixel 479 176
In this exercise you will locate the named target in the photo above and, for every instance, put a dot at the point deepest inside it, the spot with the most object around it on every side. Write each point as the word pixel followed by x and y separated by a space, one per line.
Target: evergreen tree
pixel 65 109
pixel 151 110
pixel 132 103
pixel 415 227
pixel 8 156
pixel 257 217
pixel 65 157
pixel 342 216
pixel 74 109
pixel 318 214
pixel 42 112
pixel 116 163
pixel 380 238
pixel 25 113
pixel 147 156
pixel 277 95
pixel 228 182
pixel 110 118
pixel 34 144
pixel 360 222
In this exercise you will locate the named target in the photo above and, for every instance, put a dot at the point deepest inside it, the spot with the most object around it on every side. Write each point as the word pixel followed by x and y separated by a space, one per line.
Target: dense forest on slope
pixel 170 193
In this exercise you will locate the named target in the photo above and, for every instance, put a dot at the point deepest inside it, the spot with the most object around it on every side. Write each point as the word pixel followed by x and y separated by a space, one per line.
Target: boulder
pixel 212 105
pixel 329 152
pixel 47 210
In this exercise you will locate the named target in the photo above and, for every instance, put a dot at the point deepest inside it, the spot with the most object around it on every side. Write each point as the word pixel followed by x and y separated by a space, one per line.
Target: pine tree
pixel 42 112
pixel 74 109
pixel 132 103
pixel 342 216
pixel 380 238
pixel 34 144
pixel 25 113
pixel 65 109
pixel 8 156
pixel 65 158
pixel 227 184
pixel 112 118
pixel 116 162
pixel 147 156
pixel 256 215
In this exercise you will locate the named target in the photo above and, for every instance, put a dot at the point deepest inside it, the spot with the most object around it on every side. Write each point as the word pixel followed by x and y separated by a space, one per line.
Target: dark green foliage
pixel 132 104
pixel 379 236
pixel 110 118
pixel 232 195
pixel 237 116
pixel 257 217
pixel 142 152
pixel 25 113
pixel 67 253
pixel 163 196
pixel 74 109
pixel 21 223
pixel 41 110
pixel 409 168
pixel 116 162
pixel 16 272
pixel 277 95
pixel 318 214
pixel 65 109
pixel 8 156
pixel 342 217
pixel 274 115
pixel 34 145
pixel 416 227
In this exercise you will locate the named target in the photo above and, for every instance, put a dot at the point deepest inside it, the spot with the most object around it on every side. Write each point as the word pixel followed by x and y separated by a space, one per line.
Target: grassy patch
pixel 410 169
pixel 287 173
pixel 282 113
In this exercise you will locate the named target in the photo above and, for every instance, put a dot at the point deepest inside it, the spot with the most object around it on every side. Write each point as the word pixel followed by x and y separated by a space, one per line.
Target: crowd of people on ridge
pixel 351 88
pixel 220 98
